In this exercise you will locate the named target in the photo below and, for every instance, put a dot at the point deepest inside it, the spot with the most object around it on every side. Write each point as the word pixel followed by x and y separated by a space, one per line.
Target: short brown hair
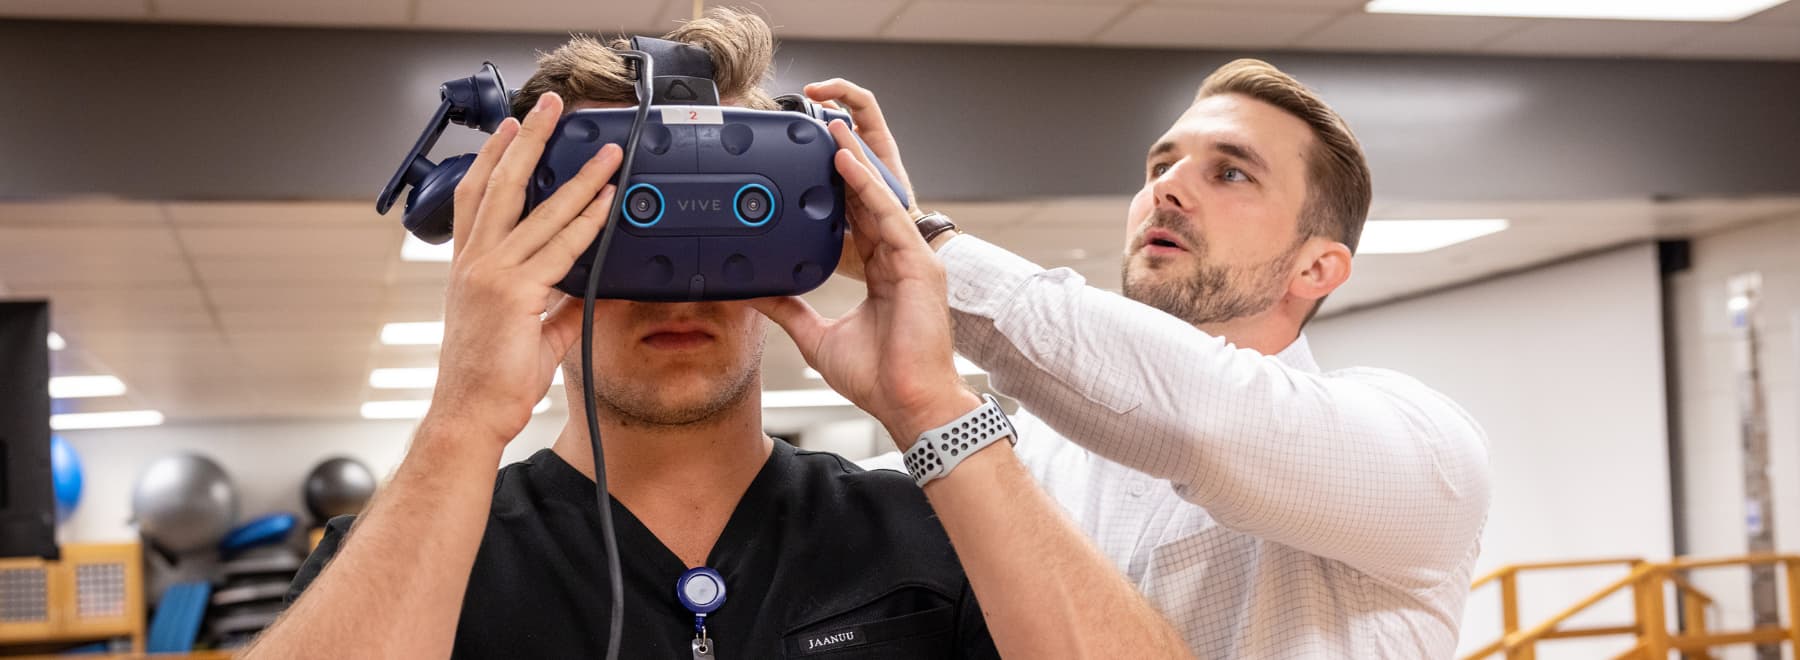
pixel 584 69
pixel 1338 187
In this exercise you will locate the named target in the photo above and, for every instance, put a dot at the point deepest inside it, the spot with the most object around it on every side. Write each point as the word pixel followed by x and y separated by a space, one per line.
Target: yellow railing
pixel 1647 583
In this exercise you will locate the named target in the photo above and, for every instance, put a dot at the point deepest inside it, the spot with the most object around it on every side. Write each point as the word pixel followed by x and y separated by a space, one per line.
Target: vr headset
pixel 720 203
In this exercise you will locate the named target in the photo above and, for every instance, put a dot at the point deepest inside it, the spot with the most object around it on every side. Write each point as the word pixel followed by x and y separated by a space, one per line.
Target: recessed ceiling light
pixel 413 334
pixel 56 342
pixel 420 378
pixel 416 408
pixel 413 249
pixel 85 387
pixel 105 420
pixel 963 368
pixel 1639 10
pixel 1414 236
pixel 803 399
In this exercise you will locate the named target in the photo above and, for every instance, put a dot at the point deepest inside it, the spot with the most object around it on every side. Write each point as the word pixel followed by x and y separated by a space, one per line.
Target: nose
pixel 1171 191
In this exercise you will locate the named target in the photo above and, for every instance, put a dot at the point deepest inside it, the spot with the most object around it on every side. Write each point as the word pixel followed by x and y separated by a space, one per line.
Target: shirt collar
pixel 1298 355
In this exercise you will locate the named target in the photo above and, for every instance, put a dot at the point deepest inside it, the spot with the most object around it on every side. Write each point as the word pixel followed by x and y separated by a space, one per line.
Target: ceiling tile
pixel 1212 27
pixel 1394 32
pixel 237 297
pixel 312 12
pixel 110 344
pixel 1594 37
pixel 80 213
pixel 82 9
pixel 240 271
pixel 815 19
pixel 292 214
pixel 562 16
pixel 1086 212
pixel 27 240
pixel 325 243
pixel 1346 5
pixel 1743 41
pixel 1786 14
pixel 62 271
pixel 1000 22
pixel 323 319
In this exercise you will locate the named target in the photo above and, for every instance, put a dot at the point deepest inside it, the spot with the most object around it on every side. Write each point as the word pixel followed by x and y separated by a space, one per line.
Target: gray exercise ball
pixel 184 503
pixel 338 487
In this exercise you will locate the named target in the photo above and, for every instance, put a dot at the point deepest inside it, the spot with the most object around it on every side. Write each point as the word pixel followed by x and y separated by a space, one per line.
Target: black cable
pixel 587 352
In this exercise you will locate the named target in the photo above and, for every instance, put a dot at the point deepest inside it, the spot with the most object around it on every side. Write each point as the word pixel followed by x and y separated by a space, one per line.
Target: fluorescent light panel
pixel 56 342
pixel 413 249
pixel 421 378
pixel 1637 10
pixel 85 387
pixel 963 368
pixel 415 408
pixel 820 398
pixel 1415 236
pixel 413 334
pixel 105 420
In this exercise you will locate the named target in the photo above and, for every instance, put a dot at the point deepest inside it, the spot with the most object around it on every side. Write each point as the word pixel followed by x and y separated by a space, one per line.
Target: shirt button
pixel 1139 487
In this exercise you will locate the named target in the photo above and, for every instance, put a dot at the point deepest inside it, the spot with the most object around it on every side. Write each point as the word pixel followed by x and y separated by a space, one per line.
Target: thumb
pixel 562 327
pixel 796 317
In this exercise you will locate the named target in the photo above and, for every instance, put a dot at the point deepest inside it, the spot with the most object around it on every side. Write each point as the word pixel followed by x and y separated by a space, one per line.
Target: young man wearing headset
pixel 816 555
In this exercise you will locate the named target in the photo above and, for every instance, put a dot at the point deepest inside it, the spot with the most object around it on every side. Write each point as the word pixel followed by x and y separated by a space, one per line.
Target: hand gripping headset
pixel 721 203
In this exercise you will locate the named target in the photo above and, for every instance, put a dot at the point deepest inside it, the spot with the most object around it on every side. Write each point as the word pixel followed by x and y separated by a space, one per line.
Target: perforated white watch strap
pixel 939 450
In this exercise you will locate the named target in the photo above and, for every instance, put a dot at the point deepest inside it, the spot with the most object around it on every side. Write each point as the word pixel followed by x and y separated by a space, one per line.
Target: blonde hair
pixel 1338 185
pixel 584 69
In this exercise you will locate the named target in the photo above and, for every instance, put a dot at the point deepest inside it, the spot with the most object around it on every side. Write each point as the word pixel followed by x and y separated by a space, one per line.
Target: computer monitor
pixel 27 501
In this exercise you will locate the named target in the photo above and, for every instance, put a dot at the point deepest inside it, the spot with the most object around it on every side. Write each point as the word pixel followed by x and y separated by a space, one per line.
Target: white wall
pixel 1563 367
pixel 1711 449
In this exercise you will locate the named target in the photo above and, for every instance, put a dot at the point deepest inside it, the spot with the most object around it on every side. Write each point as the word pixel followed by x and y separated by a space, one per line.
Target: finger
pixel 871 124
pixel 861 103
pixel 557 212
pixel 797 318
pixel 847 140
pixel 857 214
pixel 474 182
pixel 552 261
pixel 886 221
pixel 505 193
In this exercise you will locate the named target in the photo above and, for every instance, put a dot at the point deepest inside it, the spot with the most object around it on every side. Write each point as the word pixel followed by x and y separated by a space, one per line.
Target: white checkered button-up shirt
pixel 1267 509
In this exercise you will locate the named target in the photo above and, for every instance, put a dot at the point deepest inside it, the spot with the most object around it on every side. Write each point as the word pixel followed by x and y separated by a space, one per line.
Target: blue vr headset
pixel 720 203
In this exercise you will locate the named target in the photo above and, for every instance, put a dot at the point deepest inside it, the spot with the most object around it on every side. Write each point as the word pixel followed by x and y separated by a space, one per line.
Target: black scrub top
pixel 821 559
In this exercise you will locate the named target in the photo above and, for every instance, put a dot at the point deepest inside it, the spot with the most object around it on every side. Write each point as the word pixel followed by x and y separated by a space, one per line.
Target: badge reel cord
pixel 611 542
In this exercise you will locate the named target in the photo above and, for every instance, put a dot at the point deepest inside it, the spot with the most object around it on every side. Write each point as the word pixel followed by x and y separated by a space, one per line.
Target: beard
pixel 638 401
pixel 1211 293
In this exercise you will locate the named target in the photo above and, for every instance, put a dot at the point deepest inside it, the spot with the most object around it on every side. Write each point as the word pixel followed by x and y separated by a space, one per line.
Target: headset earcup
pixel 431 208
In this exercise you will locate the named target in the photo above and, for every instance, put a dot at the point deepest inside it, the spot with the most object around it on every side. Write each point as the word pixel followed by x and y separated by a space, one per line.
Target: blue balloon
pixel 65 477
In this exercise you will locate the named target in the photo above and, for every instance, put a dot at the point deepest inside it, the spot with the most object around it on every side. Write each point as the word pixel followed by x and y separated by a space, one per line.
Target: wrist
pixel 459 433
pixel 937 242
pixel 939 410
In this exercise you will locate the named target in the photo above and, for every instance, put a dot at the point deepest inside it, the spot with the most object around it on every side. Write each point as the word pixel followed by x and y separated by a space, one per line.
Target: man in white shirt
pixel 1269 510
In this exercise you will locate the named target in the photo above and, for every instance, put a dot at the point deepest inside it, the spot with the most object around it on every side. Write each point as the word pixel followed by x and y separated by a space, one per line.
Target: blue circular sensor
pixel 701 590
pixel 754 204
pixel 643 205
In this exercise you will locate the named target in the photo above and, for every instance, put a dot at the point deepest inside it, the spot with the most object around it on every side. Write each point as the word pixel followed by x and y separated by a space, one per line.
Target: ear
pixel 1327 266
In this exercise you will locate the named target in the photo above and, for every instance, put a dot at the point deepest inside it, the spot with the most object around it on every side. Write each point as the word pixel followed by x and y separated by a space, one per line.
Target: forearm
pixel 1045 591
pixel 395 588
pixel 1376 470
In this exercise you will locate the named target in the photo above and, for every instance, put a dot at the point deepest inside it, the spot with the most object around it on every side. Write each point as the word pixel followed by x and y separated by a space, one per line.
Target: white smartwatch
pixel 939 450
